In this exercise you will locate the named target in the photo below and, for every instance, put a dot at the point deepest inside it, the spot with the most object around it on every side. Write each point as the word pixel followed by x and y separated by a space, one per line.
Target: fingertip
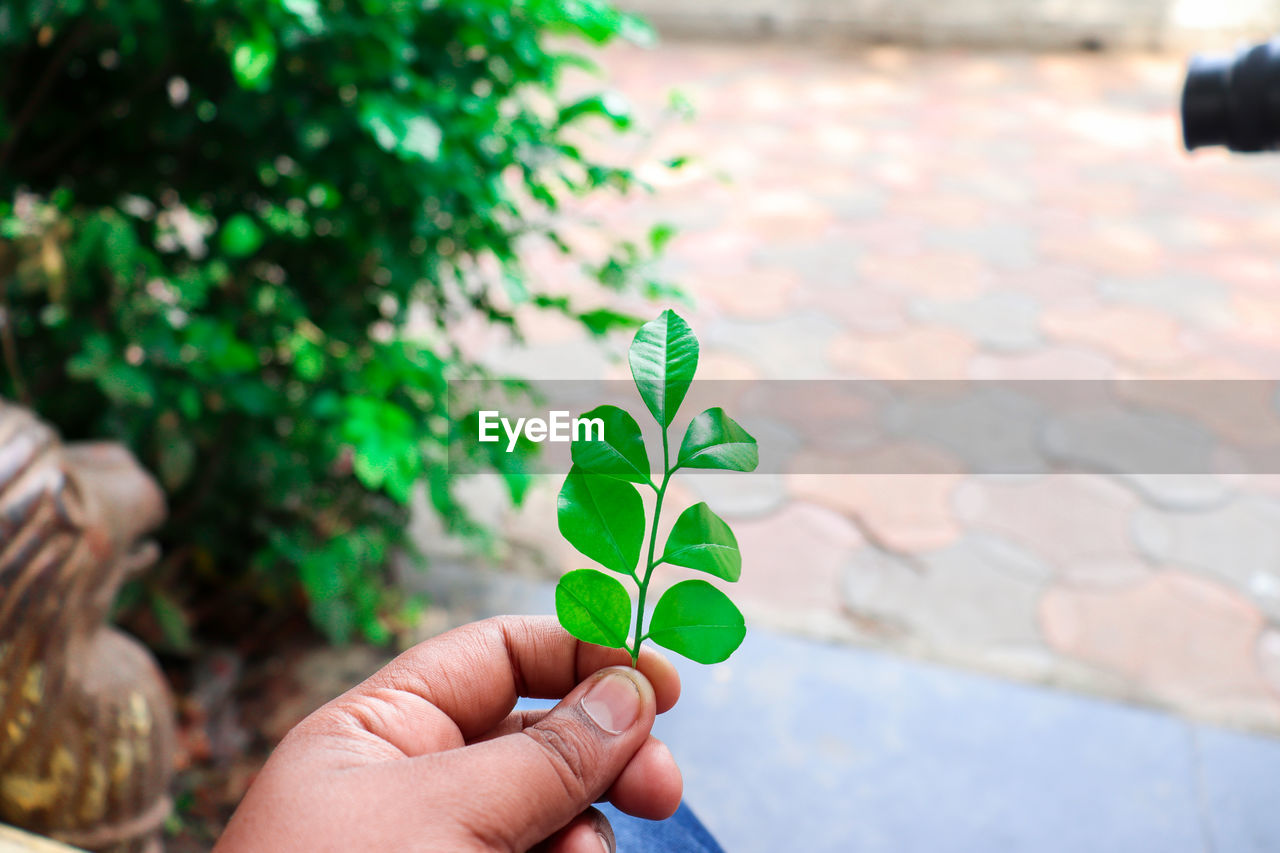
pixel 662 674
pixel 651 785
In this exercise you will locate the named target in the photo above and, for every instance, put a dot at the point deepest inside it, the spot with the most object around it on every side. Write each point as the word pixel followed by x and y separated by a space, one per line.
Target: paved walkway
pixel 882 213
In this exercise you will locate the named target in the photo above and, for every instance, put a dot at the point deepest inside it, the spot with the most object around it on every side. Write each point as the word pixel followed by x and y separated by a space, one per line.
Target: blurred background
pixel 258 260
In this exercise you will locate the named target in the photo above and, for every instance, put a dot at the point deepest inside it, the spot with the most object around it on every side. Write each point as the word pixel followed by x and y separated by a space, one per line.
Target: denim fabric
pixel 680 833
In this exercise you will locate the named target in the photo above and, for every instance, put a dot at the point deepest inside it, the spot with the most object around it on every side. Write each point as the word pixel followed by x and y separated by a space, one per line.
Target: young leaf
pixel 594 608
pixel 664 357
pixel 701 540
pixel 695 619
pixel 603 518
pixel 714 440
pixel 619 453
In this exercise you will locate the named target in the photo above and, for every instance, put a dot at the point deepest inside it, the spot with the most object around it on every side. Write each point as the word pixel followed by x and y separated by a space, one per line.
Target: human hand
pixel 427 753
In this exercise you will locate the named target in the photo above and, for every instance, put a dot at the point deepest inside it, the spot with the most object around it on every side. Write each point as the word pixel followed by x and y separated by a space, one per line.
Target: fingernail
pixel 604 843
pixel 613 702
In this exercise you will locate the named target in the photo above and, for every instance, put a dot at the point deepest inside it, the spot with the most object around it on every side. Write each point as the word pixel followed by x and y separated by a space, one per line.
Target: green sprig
pixel 601 514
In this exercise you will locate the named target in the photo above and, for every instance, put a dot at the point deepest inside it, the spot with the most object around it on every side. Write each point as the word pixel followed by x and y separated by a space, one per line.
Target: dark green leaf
pixel 172 621
pixel 695 619
pixel 715 440
pixel 701 540
pixel 603 518
pixel 608 105
pixel 619 453
pixel 253 59
pixel 664 357
pixel 240 236
pixel 594 608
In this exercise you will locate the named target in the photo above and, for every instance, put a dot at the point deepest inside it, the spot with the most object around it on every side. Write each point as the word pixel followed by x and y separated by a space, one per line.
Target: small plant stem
pixel 653 541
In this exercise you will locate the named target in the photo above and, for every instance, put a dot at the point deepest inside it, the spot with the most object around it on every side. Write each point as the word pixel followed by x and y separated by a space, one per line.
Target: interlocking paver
pixel 888 213
pixel 1079 523
pixel 1178 636
pixel 1002 320
pixel 997 582
pixel 904 512
pixel 1238 543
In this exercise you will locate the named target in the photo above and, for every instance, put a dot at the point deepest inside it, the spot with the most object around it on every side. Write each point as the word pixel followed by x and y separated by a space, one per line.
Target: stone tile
pixel 1047 362
pixel 1195 300
pixel 1078 523
pixel 1141 336
pixel 916 353
pixel 1238 544
pixel 736 495
pixel 1269 657
pixel 1122 440
pixel 1240 413
pixel 1120 248
pixel 790 347
pixel 955 274
pixel 792 559
pixel 1180 492
pixel 901 512
pixel 1259 317
pixel 716 365
pixel 1004 245
pixel 988 430
pixel 999 320
pixel 784 214
pixel 860 307
pixel 755 294
pixel 977 593
pixel 1181 637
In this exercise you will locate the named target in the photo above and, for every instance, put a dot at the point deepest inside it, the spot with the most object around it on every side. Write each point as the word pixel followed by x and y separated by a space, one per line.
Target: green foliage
pixel 698 621
pixel 603 518
pixel 216 218
pixel 596 606
pixel 702 540
pixel 620 451
pixel 664 357
pixel 601 513
pixel 714 440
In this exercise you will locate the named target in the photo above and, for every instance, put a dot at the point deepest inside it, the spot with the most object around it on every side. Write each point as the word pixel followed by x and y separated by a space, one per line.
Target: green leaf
pixel 603 518
pixel 601 321
pixel 240 236
pixel 715 440
pixel 172 621
pixel 399 128
pixel 253 59
pixel 701 540
pixel 619 453
pixel 609 105
pixel 594 608
pixel 664 357
pixel 695 619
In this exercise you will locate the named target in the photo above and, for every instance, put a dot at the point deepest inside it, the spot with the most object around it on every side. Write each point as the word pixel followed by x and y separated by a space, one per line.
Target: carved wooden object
pixel 86 720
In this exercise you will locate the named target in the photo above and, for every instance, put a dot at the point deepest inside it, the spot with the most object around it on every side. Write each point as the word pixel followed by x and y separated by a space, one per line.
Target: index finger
pixel 475 673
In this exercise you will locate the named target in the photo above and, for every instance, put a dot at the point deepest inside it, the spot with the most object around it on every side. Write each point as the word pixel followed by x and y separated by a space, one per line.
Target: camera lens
pixel 1233 101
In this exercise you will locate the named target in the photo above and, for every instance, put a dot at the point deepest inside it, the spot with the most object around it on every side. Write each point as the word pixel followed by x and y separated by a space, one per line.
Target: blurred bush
pixel 215 219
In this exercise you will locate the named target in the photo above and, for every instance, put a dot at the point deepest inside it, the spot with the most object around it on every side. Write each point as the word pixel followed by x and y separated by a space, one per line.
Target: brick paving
pixel 884 213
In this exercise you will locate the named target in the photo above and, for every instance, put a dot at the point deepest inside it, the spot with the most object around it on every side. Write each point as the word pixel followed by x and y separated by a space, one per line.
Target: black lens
pixel 1234 101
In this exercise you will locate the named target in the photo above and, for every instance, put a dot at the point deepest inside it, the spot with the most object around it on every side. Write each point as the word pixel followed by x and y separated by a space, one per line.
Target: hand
pixel 427 754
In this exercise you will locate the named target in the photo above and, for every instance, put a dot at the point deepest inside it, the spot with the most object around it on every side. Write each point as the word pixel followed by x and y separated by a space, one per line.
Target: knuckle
pixel 573 758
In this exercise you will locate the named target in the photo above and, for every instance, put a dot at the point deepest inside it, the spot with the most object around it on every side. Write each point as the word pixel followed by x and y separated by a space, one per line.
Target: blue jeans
pixel 680 833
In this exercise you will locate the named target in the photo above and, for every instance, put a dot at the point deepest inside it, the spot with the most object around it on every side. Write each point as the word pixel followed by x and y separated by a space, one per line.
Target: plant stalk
pixel 653 541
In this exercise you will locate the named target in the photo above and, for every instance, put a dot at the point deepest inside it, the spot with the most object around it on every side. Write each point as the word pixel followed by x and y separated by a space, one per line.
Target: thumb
pixel 528 785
